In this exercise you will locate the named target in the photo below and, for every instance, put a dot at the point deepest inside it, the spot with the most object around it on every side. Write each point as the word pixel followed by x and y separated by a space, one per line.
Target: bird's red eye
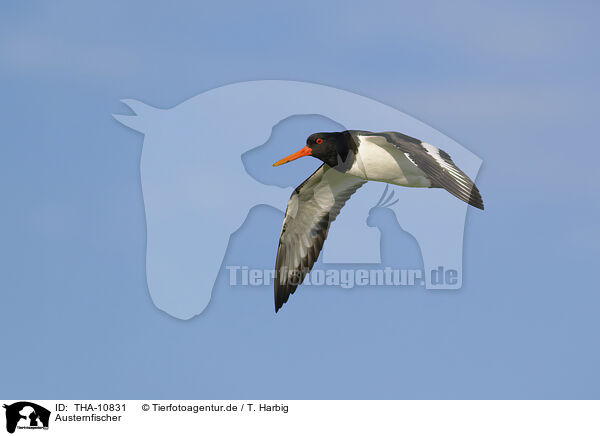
pixel 319 141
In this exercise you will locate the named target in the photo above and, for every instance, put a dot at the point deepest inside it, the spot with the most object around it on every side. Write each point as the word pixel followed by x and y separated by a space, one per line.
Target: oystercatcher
pixel 350 159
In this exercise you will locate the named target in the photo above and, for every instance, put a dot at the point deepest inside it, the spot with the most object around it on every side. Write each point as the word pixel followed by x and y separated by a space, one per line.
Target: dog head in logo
pixel 26 414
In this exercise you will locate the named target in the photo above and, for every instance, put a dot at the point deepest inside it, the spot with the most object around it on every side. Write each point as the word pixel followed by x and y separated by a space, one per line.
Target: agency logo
pixel 207 177
pixel 24 415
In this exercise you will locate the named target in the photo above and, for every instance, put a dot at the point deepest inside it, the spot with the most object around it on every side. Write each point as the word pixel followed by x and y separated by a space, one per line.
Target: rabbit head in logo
pixel 381 213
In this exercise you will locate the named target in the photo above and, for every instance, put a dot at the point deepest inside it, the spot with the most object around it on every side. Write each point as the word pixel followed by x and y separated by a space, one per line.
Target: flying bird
pixel 350 159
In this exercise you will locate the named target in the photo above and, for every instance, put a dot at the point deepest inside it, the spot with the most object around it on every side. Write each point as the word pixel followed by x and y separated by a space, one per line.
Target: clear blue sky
pixel 516 84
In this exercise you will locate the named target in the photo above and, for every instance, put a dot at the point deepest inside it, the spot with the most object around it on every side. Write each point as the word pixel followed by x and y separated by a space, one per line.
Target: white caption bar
pixel 249 417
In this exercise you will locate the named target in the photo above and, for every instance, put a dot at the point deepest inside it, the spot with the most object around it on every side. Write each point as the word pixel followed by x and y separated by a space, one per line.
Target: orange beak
pixel 306 151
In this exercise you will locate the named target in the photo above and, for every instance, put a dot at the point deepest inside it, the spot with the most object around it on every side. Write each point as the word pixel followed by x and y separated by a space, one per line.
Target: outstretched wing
pixel 312 208
pixel 435 163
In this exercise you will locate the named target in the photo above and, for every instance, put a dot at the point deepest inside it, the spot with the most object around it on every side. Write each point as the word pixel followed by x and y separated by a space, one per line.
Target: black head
pixel 330 147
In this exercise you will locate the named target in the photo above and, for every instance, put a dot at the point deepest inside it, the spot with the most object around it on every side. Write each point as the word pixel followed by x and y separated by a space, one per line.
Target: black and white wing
pixel 312 208
pixel 436 164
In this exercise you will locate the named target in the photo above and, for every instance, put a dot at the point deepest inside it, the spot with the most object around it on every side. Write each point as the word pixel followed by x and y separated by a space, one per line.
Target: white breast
pixel 383 162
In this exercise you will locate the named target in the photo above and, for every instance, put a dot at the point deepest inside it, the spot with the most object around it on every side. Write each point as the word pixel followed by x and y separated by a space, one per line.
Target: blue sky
pixel 514 83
